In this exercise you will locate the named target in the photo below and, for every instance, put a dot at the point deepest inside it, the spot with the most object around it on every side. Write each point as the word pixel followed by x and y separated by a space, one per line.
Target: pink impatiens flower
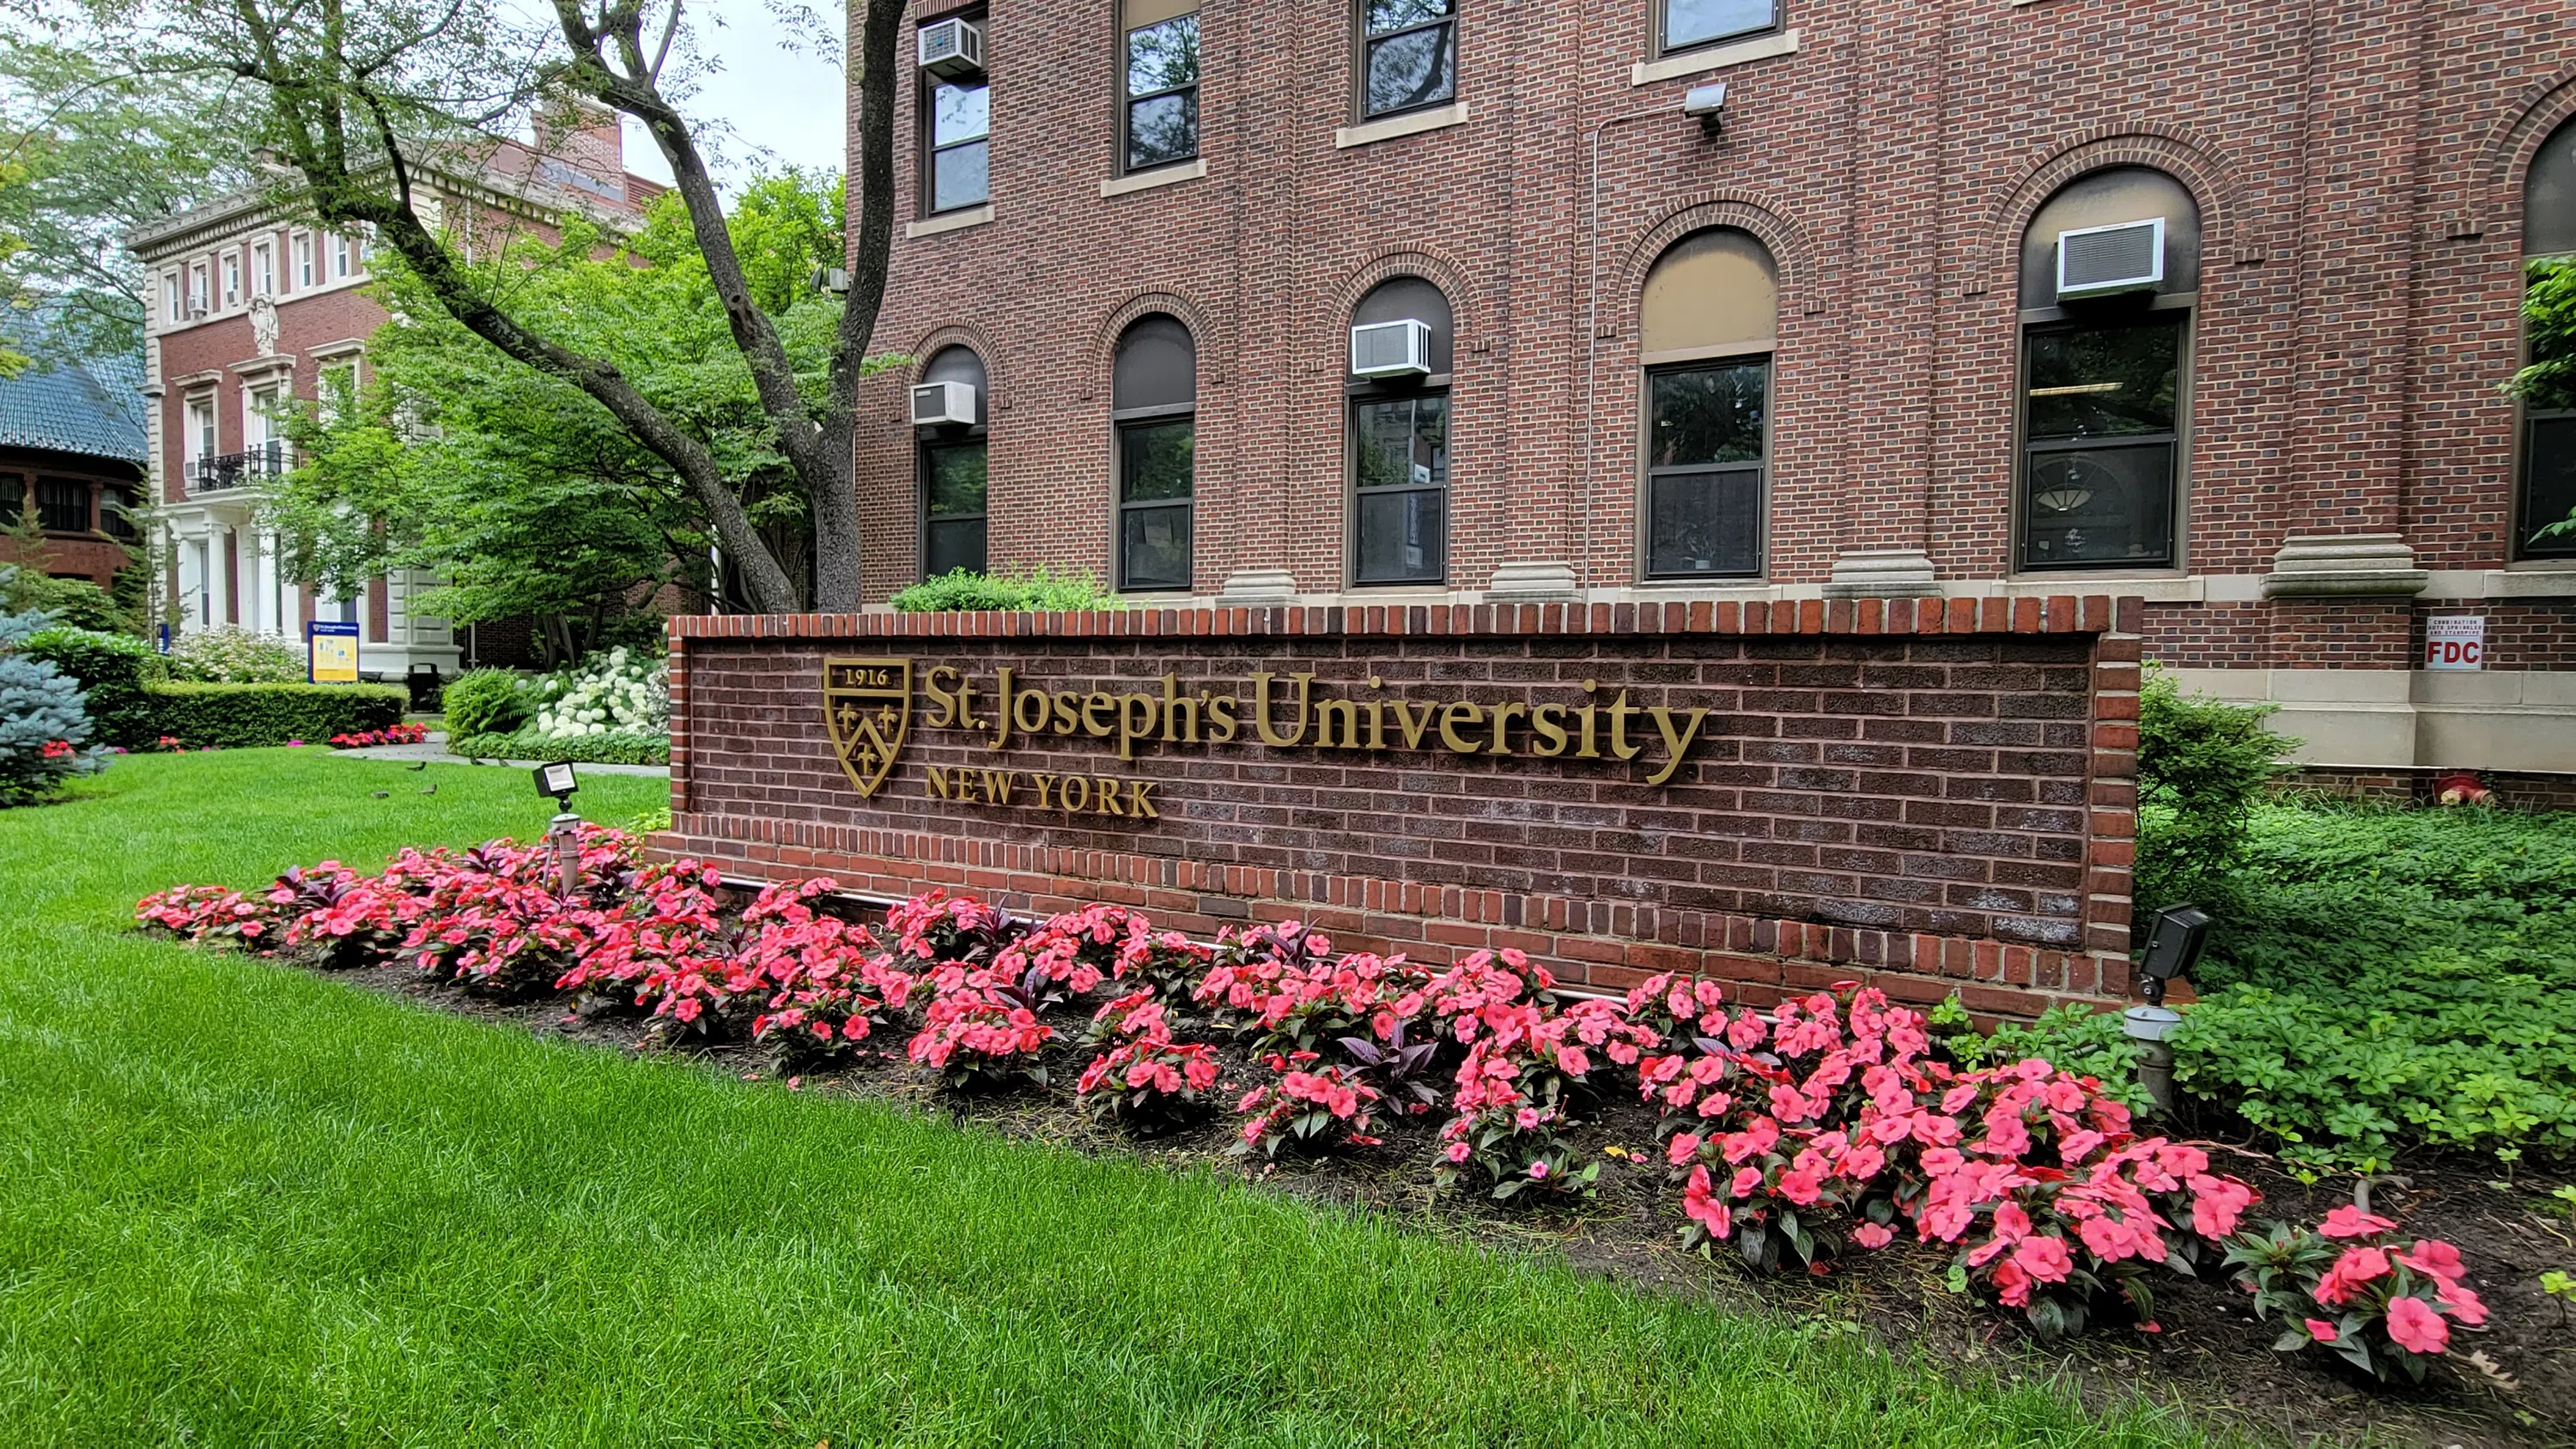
pixel 2415 1327
pixel 1704 1208
pixel 1873 1235
pixel 2356 1267
pixel 2349 1221
pixel 2045 1259
pixel 2321 1331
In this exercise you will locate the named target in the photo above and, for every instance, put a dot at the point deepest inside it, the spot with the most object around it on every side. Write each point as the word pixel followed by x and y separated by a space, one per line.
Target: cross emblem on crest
pixel 867 705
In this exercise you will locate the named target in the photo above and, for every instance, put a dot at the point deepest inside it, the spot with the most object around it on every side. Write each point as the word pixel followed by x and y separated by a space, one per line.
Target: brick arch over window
pixel 1204 336
pixel 962 334
pixel 1992 258
pixel 1439 271
pixel 2505 159
pixel 1787 243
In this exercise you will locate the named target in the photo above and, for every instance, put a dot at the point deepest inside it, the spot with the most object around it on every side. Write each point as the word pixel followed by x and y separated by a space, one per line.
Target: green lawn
pixel 242 1204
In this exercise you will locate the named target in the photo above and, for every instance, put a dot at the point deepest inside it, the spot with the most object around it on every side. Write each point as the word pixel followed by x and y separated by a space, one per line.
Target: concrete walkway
pixel 435 751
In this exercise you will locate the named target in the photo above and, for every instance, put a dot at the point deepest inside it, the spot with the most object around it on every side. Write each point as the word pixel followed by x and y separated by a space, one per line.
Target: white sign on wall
pixel 2455 641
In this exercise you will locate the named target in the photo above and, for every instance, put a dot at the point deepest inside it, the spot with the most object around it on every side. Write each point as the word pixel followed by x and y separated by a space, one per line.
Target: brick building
pixel 2206 303
pixel 252 311
pixel 71 452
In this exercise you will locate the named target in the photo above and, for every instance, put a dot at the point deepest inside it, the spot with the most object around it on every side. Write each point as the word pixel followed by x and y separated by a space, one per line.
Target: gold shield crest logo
pixel 867 704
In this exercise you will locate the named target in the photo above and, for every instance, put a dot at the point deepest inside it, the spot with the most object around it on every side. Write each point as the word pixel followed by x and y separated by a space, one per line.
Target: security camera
pixel 1707 102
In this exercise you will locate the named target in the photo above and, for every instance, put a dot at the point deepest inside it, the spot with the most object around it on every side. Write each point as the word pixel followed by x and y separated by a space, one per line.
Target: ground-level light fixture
pixel 2180 934
pixel 558 780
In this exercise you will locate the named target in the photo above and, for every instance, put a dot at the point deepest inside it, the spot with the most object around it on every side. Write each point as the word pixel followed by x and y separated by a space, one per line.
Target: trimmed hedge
pixel 240 715
pixel 615 747
pixel 112 670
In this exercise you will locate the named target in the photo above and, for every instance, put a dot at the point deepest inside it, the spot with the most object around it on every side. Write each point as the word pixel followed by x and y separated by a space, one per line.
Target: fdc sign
pixel 2455 641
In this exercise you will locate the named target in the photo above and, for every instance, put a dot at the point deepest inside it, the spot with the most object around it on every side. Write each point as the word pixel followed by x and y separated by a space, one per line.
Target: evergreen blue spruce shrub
pixel 44 719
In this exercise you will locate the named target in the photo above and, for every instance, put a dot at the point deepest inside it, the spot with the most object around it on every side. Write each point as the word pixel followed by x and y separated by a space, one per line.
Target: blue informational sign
pixel 165 638
pixel 331 651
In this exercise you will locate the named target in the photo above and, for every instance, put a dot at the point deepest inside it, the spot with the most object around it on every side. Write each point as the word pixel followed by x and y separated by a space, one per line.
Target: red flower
pixel 2356 1267
pixel 2350 1221
pixel 2320 1330
pixel 2416 1328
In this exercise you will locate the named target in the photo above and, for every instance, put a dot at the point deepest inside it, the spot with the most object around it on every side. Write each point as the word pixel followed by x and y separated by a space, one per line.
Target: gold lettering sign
pixel 867 704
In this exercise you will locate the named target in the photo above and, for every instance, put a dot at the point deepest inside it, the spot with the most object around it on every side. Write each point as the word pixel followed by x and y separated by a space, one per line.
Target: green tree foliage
pixel 2202 765
pixel 517 487
pixel 90 150
pixel 2549 325
pixel 1037 591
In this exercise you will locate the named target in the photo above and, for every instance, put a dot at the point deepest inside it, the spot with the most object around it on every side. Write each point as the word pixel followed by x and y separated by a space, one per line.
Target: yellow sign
pixel 333 650
pixel 868 704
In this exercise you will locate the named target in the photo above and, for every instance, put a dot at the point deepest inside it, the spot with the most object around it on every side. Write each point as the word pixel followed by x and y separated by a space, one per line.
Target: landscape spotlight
pixel 557 780
pixel 2173 948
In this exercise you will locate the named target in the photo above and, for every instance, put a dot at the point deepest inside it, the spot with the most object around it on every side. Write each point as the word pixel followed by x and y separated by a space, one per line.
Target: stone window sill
pixel 1716 57
pixel 1148 180
pixel 949 221
pixel 1414 124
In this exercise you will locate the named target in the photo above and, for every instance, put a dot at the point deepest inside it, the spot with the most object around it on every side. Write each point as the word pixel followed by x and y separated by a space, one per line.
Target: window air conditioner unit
pixel 1391 349
pixel 952 49
pixel 939 404
pixel 2096 261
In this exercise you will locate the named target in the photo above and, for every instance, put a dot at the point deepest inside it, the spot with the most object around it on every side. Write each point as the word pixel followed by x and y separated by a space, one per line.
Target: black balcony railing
pixel 220 471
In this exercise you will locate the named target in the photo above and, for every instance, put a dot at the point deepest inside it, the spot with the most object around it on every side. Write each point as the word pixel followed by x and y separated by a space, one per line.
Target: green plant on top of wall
pixel 1037 591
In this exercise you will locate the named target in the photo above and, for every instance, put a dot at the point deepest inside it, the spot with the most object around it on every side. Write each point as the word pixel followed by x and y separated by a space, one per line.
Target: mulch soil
pixel 2511 1383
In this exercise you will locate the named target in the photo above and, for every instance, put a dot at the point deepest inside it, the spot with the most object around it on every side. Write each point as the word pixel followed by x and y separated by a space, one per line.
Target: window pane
pixel 1688 22
pixel 62 504
pixel 2105 380
pixel 959 113
pixel 1163 57
pixel 1403 537
pixel 1154 547
pixel 1412 69
pixel 1404 443
pixel 955 479
pixel 2549 485
pixel 1162 130
pixel 1386 15
pixel 957 177
pixel 2110 506
pixel 957 544
pixel 1704 523
pixel 1156 465
pixel 1708 415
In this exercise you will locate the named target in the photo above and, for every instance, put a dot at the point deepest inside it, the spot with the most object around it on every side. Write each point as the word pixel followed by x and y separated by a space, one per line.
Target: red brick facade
pixel 2357 168
pixel 1933 795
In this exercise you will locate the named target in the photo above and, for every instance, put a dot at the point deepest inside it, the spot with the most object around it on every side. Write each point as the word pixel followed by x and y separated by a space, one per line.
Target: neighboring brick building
pixel 250 311
pixel 1143 232
pixel 72 451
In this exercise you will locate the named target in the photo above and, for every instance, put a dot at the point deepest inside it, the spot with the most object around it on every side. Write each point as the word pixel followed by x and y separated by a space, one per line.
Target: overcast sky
pixel 782 105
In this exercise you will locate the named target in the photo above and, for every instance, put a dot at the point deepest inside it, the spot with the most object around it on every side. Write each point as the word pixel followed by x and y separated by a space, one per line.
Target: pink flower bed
pixel 1793 1137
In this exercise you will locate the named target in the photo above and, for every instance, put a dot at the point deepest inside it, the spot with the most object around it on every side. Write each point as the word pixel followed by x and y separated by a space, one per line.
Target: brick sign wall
pixel 1933 795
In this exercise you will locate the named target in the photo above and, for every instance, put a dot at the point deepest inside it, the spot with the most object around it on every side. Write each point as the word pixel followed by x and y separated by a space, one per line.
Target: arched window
pixel 1399 398
pixel 1705 326
pixel 952 473
pixel 2110 269
pixel 1153 402
pixel 2546 512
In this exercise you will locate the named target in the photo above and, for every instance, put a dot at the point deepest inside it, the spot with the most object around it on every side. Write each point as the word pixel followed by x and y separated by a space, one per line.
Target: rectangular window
pixel 344 257
pixel 197 294
pixel 303 253
pixel 2101 436
pixel 335 391
pixel 13 497
pixel 2548 484
pixel 1162 106
pixel 62 505
pixel 1706 427
pixel 112 508
pixel 1409 55
pixel 952 534
pixel 960 131
pixel 263 270
pixel 1688 23
pixel 1400 461
pixel 1156 463
pixel 169 296
pixel 232 279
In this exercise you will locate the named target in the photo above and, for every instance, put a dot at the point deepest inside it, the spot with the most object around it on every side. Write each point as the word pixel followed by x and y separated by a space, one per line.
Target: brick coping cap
pixel 2054 614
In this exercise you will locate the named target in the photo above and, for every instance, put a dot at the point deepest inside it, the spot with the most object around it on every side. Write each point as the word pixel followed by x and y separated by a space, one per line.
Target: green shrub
pixel 44 721
pixel 484 701
pixel 1038 591
pixel 240 715
pixel 2393 979
pixel 2202 764
pixel 2084 1041
pixel 112 670
pixel 235 656
pixel 615 747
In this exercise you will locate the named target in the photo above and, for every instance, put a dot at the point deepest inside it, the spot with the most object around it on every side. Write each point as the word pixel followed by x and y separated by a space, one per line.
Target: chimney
pixel 586 135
